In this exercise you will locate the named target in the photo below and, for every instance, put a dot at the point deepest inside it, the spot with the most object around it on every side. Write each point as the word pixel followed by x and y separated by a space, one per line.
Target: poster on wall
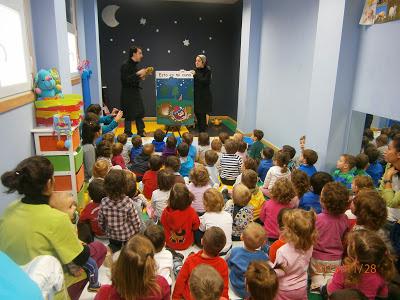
pixel 380 11
pixel 174 98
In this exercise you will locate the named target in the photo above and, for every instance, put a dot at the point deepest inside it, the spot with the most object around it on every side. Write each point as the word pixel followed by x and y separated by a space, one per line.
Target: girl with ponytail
pixel 133 275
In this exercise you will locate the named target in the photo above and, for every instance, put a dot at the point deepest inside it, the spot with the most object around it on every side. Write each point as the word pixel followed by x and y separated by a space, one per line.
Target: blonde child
pixel 254 237
pixel 344 172
pixel 179 219
pixel 250 179
pixel 293 258
pixel 279 170
pixel 200 182
pixel 215 216
pixel 368 266
pixel 127 147
pixel 159 198
pixel 332 225
pixel 281 195
pixel 238 207
pixel 109 137
pixel 211 158
pixel 261 281
pixel 100 169
pixel 203 146
pixel 117 159
pixel 223 137
pixel 118 217
pixel 134 274
pixel 216 145
pixel 205 283
pixel 238 137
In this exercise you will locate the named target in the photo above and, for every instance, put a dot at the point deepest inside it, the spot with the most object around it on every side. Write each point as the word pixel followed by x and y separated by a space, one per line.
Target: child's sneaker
pixel 94 288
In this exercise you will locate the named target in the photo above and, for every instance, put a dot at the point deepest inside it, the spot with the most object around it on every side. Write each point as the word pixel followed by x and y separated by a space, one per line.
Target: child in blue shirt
pixel 310 200
pixel 158 141
pixel 137 147
pixel 310 157
pixel 188 139
pixel 266 163
pixel 375 169
pixel 344 172
pixel 187 163
pixel 254 237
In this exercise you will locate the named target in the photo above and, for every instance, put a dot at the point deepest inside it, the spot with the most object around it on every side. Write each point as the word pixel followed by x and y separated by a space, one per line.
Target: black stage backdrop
pixel 172 34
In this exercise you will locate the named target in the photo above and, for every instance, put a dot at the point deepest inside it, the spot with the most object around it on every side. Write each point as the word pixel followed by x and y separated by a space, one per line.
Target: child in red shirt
pixel 179 219
pixel 91 212
pixel 206 283
pixel 213 241
pixel 117 159
pixel 149 179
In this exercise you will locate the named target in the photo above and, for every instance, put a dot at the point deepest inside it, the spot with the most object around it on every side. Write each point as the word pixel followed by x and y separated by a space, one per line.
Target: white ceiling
pixel 207 1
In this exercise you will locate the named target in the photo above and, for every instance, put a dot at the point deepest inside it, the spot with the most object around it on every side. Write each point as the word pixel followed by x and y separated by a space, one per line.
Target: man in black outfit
pixel 131 97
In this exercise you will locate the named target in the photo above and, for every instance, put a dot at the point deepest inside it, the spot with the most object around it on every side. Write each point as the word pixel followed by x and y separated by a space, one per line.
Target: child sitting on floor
pixel 281 195
pixel 127 147
pixel 213 241
pixel 137 147
pixel 158 141
pixel 310 157
pixel 292 164
pixel 206 283
pixel 261 281
pixel 216 145
pixel 211 158
pixel 375 169
pixel 331 225
pixel 231 163
pixel 266 163
pixel 344 172
pixel 382 142
pixel 257 147
pixel 279 170
pixel 200 182
pixel 242 147
pixel 254 237
pixel 104 151
pixel 118 217
pixel 179 219
pixel 170 147
pixel 250 179
pixel 293 258
pixel 203 146
pixel 187 137
pixel 109 137
pixel 100 169
pixel 173 164
pixel 248 164
pixel 301 184
pixel 238 207
pixel 134 275
pixel 139 201
pixel 163 257
pixel 140 163
pixel 223 137
pixel 215 216
pixel 159 198
pixel 310 200
pixel 362 164
pixel 117 159
pixel 279 242
pixel 187 163
pixel 149 179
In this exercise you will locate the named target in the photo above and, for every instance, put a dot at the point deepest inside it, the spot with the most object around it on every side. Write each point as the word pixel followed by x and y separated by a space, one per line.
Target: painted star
pixel 186 43
pixel 143 21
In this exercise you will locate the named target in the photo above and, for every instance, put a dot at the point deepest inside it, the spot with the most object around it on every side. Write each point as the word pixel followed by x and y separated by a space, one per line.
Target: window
pixel 15 58
pixel 72 36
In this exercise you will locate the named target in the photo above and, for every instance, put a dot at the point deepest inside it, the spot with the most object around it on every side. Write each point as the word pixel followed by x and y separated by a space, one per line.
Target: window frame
pixel 72 28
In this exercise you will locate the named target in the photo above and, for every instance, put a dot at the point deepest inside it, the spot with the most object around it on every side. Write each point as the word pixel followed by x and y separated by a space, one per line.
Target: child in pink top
pixel 332 225
pixel 367 268
pixel 282 193
pixel 293 258
pixel 200 182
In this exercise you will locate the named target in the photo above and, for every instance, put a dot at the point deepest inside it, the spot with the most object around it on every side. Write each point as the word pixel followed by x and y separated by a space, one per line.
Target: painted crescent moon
pixel 108 15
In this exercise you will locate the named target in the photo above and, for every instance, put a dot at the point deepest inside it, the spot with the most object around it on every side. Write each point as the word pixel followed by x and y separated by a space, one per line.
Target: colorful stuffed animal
pixel 45 85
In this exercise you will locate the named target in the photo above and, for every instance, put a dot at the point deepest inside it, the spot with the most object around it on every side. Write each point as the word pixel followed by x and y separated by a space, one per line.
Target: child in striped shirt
pixel 231 163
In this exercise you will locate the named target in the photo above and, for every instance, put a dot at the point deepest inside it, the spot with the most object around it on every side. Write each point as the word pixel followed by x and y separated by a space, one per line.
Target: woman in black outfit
pixel 202 92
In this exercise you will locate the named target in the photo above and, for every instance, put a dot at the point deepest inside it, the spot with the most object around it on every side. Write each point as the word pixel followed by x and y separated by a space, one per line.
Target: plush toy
pixel 62 125
pixel 46 86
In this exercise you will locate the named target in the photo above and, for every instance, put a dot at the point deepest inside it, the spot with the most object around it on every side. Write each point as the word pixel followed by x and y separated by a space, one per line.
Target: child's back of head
pixel 299 228
pixel 171 142
pixel 115 184
pixel 370 209
pixel 213 241
pixel 213 200
pixel 165 180
pixel 205 283
pixel 94 108
pixel 282 160
pixel 250 164
pixel 258 134
pixel 172 162
pixel 159 135
pixel 250 179
pixel 180 198
pixel 155 162
pixel 117 149
pixel 101 168
pixel 261 281
pixel 369 133
pixel 183 149
pixel 204 139
pixel 310 157
pixel 372 154
pixel 254 236
pixel 318 181
pixel 238 137
pixel 109 137
pixel 155 233
pixel 289 150
pixel 223 136
pixel 131 187
pixel 300 181
pixel 148 149
pixel 137 141
pixel 362 161
pixel 283 191
pixel 122 138
pixel 231 146
pixel 382 140
pixel 335 198
pixel 104 149
pixel 211 157
pixel 242 146
pixel 362 182
pixel 216 145
pixel 268 153
pixel 199 176
pixel 187 137
pixel 241 195
pixel 96 190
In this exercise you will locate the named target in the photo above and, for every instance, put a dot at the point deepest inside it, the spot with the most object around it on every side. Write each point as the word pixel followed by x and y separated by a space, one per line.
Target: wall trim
pixel 15 101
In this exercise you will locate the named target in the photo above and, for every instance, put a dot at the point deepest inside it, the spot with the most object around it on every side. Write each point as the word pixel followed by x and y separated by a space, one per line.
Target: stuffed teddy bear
pixel 45 85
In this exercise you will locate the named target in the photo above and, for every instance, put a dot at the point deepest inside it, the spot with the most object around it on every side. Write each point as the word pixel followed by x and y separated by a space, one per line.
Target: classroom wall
pixel 377 77
pixel 223 50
